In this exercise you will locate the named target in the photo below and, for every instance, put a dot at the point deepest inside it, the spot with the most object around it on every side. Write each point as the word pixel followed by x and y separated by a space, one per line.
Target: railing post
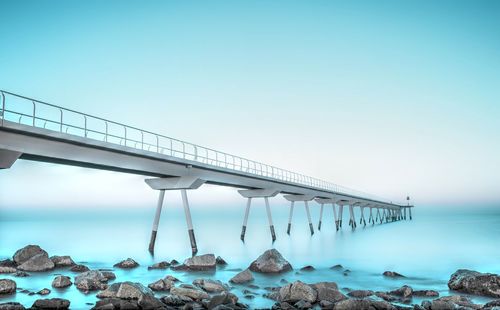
pixel 106 136
pixel 85 117
pixel 61 121
pixel 3 107
pixel 125 141
pixel 142 140
pixel 34 112
pixel 157 144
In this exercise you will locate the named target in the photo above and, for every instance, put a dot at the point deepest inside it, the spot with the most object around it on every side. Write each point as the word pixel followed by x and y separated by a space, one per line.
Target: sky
pixel 394 98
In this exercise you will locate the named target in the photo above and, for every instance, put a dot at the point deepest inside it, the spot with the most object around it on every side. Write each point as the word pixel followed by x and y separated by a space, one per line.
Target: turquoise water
pixel 427 249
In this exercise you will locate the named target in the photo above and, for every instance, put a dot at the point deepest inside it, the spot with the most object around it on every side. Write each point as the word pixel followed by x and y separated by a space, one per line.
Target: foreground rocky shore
pixel 204 293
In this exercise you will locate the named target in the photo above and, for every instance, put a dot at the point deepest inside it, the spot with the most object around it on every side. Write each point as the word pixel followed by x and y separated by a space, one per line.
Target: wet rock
pixel 179 267
pixel 282 305
pixel 7 269
pixel 360 293
pixel 363 304
pixel 62 261
pixel 426 293
pixel 44 291
pixel 405 291
pixel 225 298
pixel 242 277
pixel 296 291
pixel 8 263
pixel 337 267
pixel 172 278
pixel 330 285
pixel 116 303
pixel 174 300
pixel 210 286
pixel 53 303
pixel 132 291
pixel 450 302
pixel 195 294
pixel 473 282
pixel 90 281
pixel 347 272
pixel 161 285
pixel 385 296
pixel 275 295
pixel 21 274
pixel 7 287
pixel 325 304
pixel 174 262
pixel 160 265
pixel 109 275
pixel 24 254
pixel 307 268
pixel 329 293
pixel 11 306
pixel 220 261
pixel 271 261
pixel 200 262
pixel 492 305
pixel 393 274
pixel 39 262
pixel 127 264
pixel 61 282
pixel 79 268
pixel 302 304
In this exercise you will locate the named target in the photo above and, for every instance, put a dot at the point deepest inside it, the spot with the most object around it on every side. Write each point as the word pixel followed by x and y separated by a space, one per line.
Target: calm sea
pixel 427 250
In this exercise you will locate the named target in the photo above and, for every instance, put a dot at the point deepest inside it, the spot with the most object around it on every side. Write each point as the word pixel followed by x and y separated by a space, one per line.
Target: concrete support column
pixel 156 221
pixel 292 203
pixel 335 217
pixel 409 212
pixel 245 219
pixel 341 213
pixel 270 218
pixel 189 221
pixel 320 215
pixel 259 193
pixel 309 217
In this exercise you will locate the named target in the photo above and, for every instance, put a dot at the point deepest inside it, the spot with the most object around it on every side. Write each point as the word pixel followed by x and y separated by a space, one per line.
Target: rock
pixel 302 304
pixel 337 267
pixel 62 261
pixel 160 265
pixel 450 302
pixel 492 305
pixel 109 275
pixel 220 261
pixel 473 282
pixel 393 274
pixel 53 303
pixel 242 277
pixel 161 285
pixel 132 291
pixel 405 291
pixel 307 268
pixel 90 281
pixel 39 262
pixel 174 262
pixel 225 298
pixel 330 285
pixel 325 304
pixel 426 293
pixel 11 306
pixel 126 264
pixel 172 278
pixel 360 293
pixel 116 303
pixel 385 296
pixel 21 274
pixel 44 291
pixel 270 261
pixel 329 294
pixel 363 304
pixel 175 300
pixel 178 267
pixel 296 291
pixel 61 282
pixel 7 287
pixel 195 294
pixel 8 263
pixel 211 286
pixel 24 254
pixel 7 269
pixel 200 262
pixel 79 268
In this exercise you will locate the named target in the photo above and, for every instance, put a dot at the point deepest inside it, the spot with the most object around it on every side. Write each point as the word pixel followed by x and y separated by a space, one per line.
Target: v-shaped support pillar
pixel 305 199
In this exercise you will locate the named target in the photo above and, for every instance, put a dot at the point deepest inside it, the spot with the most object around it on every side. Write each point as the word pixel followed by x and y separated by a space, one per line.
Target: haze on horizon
pixel 387 97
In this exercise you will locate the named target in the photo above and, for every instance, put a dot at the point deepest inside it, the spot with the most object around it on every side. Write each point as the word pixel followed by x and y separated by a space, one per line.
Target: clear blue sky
pixel 390 97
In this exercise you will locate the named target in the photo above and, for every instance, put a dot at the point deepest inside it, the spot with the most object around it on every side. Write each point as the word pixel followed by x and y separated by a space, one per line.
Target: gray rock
pixel 225 298
pixel 337 267
pixel 195 294
pixel 360 293
pixel 330 285
pixel 271 261
pixel 211 286
pixel 132 291
pixel 393 274
pixel 21 274
pixel 7 269
pixel 7 287
pixel 174 300
pixel 91 281
pixel 53 303
pixel 126 264
pixel 385 296
pixel 160 265
pixel 24 254
pixel 61 282
pixel 307 268
pixel 426 293
pixel 473 282
pixel 242 277
pixel 39 262
pixel 116 303
pixel 44 291
pixel 363 304
pixel 405 291
pixel 8 263
pixel 109 275
pixel 11 306
pixel 492 305
pixel 161 285
pixel 220 261
pixel 282 306
pixel 450 302
pixel 200 262
pixel 171 278
pixel 296 291
pixel 330 295
pixel 302 304
pixel 325 304
pixel 79 268
pixel 62 261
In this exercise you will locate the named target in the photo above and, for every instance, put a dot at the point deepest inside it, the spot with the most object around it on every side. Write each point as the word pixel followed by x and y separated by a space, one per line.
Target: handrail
pixel 187 150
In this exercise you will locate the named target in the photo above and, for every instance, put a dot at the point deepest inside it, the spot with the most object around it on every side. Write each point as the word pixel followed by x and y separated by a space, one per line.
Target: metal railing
pixel 36 113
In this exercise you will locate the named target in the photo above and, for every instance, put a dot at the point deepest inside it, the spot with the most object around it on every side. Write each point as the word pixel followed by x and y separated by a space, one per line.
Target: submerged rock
pixel 11 306
pixel 53 303
pixel 44 291
pixel 242 277
pixel 220 261
pixel 473 282
pixel 426 293
pixel 492 305
pixel 200 262
pixel 296 291
pixel 405 291
pixel 62 261
pixel 91 281
pixel 160 265
pixel 210 286
pixel 127 264
pixel 79 268
pixel 393 274
pixel 337 267
pixel 24 254
pixel 360 293
pixel 61 282
pixel 39 262
pixel 307 268
pixel 7 287
pixel 271 261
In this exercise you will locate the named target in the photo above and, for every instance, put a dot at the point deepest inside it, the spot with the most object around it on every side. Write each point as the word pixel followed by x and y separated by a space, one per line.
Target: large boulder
pixel 62 261
pixel 115 303
pixel 363 304
pixel 132 291
pixel 360 293
pixel 160 265
pixel 210 286
pixel 26 253
pixel 127 264
pixel 7 287
pixel 242 277
pixel 426 293
pixel 11 306
pixel 271 261
pixel 225 298
pixel 473 282
pixel 450 302
pixel 39 262
pixel 53 304
pixel 161 285
pixel 201 262
pixel 296 291
pixel 79 268
pixel 91 281
pixel 405 291
pixel 192 293
pixel 8 263
pixel 7 269
pixel 61 282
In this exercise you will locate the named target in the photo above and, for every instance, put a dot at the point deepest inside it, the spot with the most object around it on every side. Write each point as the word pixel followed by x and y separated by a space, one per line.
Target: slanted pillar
pixel 322 202
pixel 175 183
pixel 8 158
pixel 335 216
pixel 409 213
pixel 305 199
pixel 290 217
pixel 245 219
pixel 309 217
pixel 370 219
pixel 363 216
pixel 341 213
pixel 259 193
pixel 320 215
